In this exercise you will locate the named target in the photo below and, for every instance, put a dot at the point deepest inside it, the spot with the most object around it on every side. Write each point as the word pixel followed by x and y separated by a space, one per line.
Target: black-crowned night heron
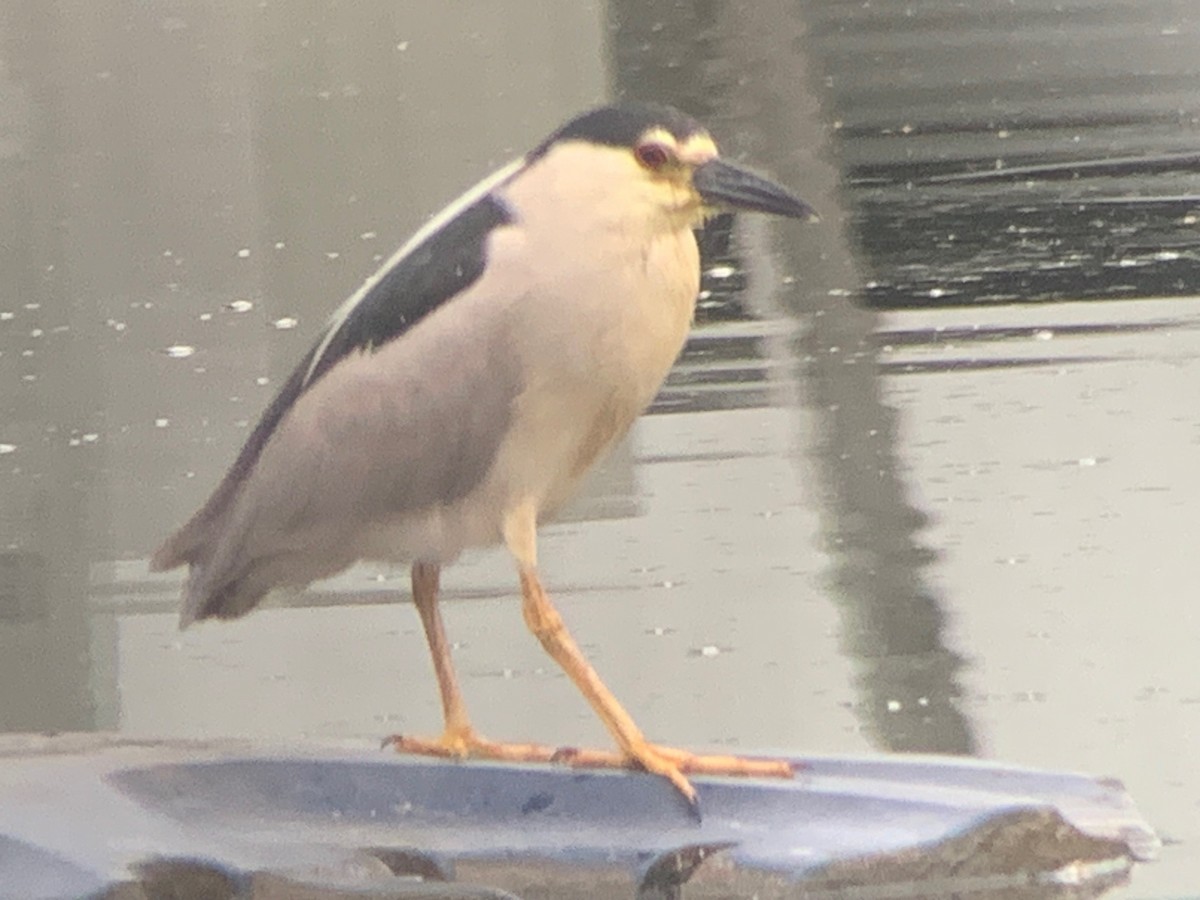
pixel 457 398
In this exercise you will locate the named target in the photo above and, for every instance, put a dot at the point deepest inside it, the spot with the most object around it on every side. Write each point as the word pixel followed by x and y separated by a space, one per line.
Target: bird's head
pixel 673 163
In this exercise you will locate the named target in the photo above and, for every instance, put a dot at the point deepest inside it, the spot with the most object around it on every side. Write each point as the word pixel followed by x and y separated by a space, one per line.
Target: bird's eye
pixel 653 155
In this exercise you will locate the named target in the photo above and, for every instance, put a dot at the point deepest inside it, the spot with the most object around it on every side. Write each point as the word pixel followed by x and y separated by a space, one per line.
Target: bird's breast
pixel 596 338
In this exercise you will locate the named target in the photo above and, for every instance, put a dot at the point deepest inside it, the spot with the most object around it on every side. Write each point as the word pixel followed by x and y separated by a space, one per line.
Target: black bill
pixel 724 185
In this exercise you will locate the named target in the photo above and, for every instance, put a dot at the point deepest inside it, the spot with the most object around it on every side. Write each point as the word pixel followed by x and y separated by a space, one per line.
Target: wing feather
pixel 438 263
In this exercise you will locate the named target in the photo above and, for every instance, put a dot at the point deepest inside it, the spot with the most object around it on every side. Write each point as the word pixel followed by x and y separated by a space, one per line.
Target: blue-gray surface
pixel 91 816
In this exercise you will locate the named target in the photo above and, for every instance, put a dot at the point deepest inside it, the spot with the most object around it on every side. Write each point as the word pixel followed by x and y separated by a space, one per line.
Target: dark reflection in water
pixel 893 624
pixel 1018 151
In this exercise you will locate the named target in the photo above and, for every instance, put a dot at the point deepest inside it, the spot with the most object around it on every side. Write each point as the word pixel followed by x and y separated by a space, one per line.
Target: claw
pixel 670 763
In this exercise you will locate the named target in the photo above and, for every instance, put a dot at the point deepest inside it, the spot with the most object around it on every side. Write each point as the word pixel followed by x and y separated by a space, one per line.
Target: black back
pixel 446 263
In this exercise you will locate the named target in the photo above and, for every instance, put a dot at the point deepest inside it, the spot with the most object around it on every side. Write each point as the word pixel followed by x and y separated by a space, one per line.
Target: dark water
pixel 1016 152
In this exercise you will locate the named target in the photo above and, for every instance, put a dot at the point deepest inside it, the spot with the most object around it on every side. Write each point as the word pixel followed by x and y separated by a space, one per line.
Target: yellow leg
pixel 671 763
pixel 459 738
pixel 547 625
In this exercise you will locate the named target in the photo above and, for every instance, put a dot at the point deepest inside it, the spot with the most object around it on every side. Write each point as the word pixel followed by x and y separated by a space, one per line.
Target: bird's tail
pixel 218 584
pixel 232 598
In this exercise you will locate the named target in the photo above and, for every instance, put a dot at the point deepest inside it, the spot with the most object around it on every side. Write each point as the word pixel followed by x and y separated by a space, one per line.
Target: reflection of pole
pixel 893 625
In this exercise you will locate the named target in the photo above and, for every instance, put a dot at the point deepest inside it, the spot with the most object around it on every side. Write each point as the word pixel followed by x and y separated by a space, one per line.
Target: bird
pixel 457 398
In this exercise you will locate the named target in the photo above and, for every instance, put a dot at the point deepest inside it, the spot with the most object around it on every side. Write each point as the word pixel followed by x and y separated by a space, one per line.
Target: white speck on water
pixel 239 306
pixel 1043 334
pixel 667 584
pixel 1087 462
pixel 286 323
pixel 7 448
pixel 161 422
pixel 722 272
pixel 922 701
pixel 37 332
pixel 1167 255
pixel 6 316
pixel 368 235
pixel 894 706
pixel 91 437
pixel 179 351
pixel 244 253
pixel 205 317
pixel 279 245
pixel 402 46
pixel 261 380
pixel 710 650
pixel 332 254
pixel 31 306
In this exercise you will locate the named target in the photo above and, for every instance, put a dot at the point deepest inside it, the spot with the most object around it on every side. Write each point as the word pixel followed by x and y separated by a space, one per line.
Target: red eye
pixel 652 156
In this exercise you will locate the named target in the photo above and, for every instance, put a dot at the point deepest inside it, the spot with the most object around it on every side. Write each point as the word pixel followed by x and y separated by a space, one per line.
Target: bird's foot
pixel 686 761
pixel 675 764
pixel 464 743
pixel 671 763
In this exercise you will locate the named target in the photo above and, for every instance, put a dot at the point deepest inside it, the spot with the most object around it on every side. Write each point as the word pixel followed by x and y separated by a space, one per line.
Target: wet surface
pixel 236 814
pixel 962 530
pixel 1017 154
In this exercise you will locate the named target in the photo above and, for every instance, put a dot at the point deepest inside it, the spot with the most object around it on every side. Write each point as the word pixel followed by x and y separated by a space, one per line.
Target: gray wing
pixel 410 428
pixel 438 265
